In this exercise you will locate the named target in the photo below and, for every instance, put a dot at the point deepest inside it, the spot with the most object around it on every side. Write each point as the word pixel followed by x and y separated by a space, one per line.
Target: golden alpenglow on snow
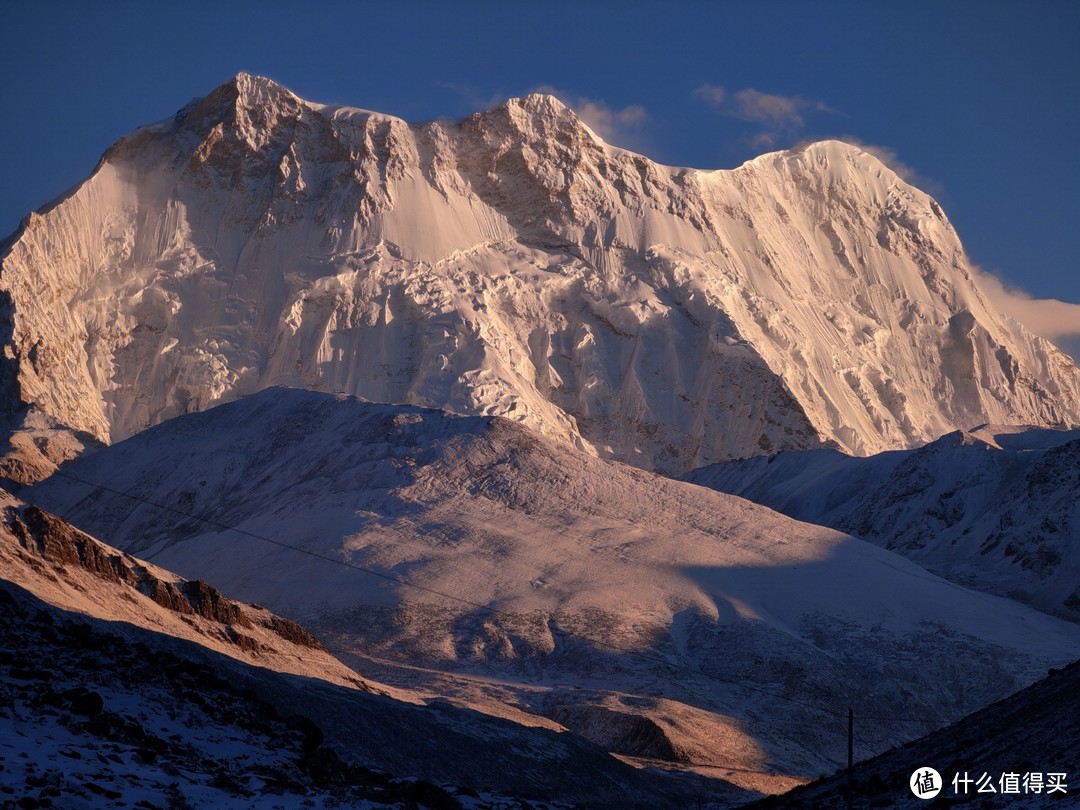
pixel 359 463
pixel 512 264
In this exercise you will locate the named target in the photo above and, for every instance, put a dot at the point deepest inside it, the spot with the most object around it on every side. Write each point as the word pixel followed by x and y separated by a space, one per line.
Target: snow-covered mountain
pixel 471 557
pixel 509 264
pixel 123 685
pixel 994 508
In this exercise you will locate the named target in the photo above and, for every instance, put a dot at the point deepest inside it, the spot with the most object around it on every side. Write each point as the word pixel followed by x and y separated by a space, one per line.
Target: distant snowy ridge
pixel 995 508
pixel 509 264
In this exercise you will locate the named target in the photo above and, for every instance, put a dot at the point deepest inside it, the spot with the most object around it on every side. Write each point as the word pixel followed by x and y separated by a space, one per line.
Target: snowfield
pixel 543 578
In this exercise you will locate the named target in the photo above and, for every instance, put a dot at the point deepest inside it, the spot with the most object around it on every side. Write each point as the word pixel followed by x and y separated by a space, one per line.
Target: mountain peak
pixel 664 317
pixel 249 101
pixel 258 88
pixel 260 93
pixel 534 117
pixel 868 160
pixel 830 152
pixel 829 146
pixel 541 102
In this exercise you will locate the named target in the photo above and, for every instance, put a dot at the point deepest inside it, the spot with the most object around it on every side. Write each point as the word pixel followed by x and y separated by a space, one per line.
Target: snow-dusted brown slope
pixel 120 681
pixel 67 568
pixel 510 264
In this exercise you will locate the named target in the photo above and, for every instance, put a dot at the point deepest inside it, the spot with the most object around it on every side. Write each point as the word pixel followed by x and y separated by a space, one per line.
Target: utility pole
pixel 850 755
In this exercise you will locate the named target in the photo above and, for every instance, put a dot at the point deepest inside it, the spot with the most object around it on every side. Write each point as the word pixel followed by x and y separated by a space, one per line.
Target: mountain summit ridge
pixel 510 264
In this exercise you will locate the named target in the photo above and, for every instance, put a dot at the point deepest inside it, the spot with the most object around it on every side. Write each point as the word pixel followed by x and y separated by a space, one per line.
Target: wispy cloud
pixel 779 116
pixel 714 94
pixel 1057 321
pixel 780 112
pixel 617 125
pixel 609 122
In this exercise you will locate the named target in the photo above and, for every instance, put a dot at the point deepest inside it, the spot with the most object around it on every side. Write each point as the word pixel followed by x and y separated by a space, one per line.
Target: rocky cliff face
pixel 510 264
pixel 51 558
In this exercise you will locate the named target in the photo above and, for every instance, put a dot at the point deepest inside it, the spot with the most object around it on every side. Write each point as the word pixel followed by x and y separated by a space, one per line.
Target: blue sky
pixel 979 101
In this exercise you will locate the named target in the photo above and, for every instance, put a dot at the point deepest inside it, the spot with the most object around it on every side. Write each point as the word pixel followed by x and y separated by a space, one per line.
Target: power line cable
pixel 398 580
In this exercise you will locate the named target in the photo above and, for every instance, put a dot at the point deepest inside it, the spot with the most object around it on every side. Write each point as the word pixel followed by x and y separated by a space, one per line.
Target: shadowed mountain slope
pixel 1031 732
pixel 995 508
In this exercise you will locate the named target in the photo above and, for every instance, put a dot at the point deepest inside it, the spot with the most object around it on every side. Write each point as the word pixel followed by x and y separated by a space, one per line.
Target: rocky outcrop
pixel 209 603
pixel 53 540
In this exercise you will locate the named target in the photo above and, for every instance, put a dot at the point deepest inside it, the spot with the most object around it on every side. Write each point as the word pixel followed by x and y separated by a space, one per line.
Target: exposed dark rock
pixel 57 541
pixel 245 643
pixel 292 632
pixel 209 603
pixel 166 594
pixel 88 704
pixel 313 735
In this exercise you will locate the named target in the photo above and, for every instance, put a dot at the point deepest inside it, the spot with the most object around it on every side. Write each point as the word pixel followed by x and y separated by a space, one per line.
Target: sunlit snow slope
pixel 509 264
pixel 591 592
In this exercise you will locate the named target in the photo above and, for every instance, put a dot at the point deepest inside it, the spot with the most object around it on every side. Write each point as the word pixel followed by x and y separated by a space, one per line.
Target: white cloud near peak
pixel 777 112
pixel 1047 317
pixel 778 115
pixel 616 125
pixel 608 121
